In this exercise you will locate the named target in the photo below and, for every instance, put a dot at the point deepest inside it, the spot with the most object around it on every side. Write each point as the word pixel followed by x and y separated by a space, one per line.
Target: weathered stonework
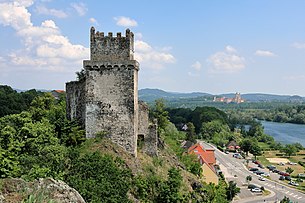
pixel 105 99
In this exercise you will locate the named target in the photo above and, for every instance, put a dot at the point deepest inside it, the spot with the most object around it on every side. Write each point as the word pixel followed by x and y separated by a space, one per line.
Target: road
pixel 235 169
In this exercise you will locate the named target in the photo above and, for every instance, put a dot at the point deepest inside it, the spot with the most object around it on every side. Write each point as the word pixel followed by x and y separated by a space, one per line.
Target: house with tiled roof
pixel 232 146
pixel 57 93
pixel 207 160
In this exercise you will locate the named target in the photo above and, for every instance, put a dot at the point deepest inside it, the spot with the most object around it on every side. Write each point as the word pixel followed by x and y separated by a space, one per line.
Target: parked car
pixel 286 174
pixel 293 183
pixel 261 166
pixel 282 164
pixel 256 190
pixel 265 174
pixel 301 175
pixel 261 178
pixel 282 177
pixel 275 171
pixel 237 155
pixel 282 173
pixel 251 186
pixel 259 172
pixel 256 162
pixel 292 163
pixel 253 169
pixel 288 178
pixel 271 167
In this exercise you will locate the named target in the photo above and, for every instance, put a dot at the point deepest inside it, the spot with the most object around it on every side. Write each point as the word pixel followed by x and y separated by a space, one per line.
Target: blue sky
pixel 183 46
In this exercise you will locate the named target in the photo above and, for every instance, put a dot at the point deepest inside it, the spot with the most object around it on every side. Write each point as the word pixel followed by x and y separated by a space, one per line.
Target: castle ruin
pixel 105 97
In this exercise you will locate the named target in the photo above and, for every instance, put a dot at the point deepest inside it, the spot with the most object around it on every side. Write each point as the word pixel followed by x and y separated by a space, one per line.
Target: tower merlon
pixel 110 47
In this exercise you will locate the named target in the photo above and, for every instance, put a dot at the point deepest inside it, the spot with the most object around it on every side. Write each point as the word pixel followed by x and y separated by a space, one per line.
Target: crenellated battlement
pixel 110 48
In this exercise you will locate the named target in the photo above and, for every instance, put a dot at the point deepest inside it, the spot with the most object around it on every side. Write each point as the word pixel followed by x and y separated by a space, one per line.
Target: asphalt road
pixel 235 169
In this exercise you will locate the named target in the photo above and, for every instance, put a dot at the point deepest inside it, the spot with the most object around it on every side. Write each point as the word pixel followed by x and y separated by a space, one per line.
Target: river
pixel 285 133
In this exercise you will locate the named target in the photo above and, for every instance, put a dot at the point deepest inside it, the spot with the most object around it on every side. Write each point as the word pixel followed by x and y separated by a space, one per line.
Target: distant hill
pixel 150 95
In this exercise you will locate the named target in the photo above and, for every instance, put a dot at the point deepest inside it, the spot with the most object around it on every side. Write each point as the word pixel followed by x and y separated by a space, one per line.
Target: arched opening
pixel 140 141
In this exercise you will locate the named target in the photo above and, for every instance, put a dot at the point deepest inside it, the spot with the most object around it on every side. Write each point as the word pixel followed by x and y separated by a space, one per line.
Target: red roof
pixel 207 154
pixel 59 91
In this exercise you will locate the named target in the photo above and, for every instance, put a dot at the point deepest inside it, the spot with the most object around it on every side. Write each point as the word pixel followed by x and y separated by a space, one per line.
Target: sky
pixel 217 46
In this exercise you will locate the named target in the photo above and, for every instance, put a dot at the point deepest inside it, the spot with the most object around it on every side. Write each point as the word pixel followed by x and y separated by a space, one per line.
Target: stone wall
pixel 111 102
pixel 148 130
pixel 151 140
pixel 75 100
pixel 106 99
pixel 143 118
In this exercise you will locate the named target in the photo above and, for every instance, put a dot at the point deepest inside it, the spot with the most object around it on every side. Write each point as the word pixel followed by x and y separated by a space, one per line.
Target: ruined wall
pixel 143 118
pixel 151 140
pixel 148 129
pixel 75 101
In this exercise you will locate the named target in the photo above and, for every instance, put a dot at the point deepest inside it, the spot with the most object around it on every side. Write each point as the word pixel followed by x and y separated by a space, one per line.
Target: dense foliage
pixel 197 116
pixel 12 102
pixel 100 178
pixel 283 114
pixel 41 142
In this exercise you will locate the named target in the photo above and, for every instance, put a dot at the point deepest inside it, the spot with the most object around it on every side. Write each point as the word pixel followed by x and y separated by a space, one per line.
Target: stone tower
pixel 105 98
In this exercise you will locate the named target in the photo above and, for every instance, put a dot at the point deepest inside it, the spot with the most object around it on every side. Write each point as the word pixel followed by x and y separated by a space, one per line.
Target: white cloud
pixel 142 46
pixel 196 66
pixel 52 12
pixel 227 61
pixel 151 57
pixel 299 45
pixel 15 15
pixel 264 53
pixel 80 8
pixel 125 21
pixel 93 21
pixel 230 49
pixel 44 47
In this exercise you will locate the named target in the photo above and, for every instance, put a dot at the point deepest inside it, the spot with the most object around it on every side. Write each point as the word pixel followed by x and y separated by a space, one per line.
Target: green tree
pixel 158 112
pixel 206 114
pixel 232 190
pixel 190 132
pixel 285 200
pixel 250 145
pixel 289 170
pixel 248 179
pixel 256 129
pixel 246 145
pixel 289 150
pixel 255 149
pixel 99 178
pixel 170 189
pixel 209 129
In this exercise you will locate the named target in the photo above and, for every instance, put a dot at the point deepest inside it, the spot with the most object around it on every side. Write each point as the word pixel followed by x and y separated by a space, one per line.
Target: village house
pixel 208 162
pixel 232 146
